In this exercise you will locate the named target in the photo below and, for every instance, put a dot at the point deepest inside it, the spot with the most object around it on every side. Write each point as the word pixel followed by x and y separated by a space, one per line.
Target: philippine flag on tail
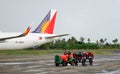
pixel 47 24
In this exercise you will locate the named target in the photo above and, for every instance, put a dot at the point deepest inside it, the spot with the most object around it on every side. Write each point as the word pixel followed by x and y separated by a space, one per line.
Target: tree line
pixel 73 43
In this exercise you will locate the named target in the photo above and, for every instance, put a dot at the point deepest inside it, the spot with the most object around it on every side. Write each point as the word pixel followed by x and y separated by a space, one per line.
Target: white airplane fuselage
pixel 31 40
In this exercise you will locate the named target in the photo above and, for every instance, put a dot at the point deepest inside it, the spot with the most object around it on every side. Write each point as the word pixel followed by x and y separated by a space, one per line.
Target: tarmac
pixel 44 64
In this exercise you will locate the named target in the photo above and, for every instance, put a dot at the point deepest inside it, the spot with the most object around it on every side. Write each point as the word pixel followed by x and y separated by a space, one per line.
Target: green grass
pixel 52 51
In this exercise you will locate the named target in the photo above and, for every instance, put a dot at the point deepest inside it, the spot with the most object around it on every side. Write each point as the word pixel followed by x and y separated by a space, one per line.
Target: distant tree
pixel 82 39
pixel 63 40
pixel 97 42
pixel 107 45
pixel 115 41
pixel 89 40
pixel 72 40
pixel 105 40
pixel 101 41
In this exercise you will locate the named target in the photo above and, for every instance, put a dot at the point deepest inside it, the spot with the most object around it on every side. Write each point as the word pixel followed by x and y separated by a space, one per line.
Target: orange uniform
pixel 64 57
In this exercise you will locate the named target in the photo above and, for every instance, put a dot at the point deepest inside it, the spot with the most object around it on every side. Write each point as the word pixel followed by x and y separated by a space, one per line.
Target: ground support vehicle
pixel 83 57
pixel 74 59
pixel 60 61
pixel 87 58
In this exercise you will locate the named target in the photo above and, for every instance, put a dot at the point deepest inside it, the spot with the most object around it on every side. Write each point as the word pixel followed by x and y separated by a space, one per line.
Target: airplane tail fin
pixel 47 24
pixel 27 30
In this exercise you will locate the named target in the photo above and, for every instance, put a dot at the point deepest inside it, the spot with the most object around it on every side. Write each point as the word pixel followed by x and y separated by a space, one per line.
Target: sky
pixel 94 19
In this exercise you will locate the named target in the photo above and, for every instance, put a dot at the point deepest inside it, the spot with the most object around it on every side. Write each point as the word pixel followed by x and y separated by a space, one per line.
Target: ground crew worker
pixel 80 56
pixel 86 54
pixel 75 55
pixel 65 53
pixel 69 55
pixel 64 57
pixel 91 54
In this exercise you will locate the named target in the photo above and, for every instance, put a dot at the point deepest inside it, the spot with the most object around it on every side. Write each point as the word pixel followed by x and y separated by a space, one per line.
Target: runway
pixel 44 64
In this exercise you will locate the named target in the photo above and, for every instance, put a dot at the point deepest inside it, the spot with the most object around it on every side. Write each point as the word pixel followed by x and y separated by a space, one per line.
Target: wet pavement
pixel 44 64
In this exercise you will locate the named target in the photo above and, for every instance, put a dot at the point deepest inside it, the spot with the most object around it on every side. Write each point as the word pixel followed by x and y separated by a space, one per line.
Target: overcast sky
pixel 93 19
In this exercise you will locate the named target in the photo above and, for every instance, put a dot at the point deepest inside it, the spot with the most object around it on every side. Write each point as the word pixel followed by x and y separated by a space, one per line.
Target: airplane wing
pixel 21 35
pixel 49 37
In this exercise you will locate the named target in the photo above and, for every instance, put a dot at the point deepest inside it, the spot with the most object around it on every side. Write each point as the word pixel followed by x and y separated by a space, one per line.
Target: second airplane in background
pixel 41 35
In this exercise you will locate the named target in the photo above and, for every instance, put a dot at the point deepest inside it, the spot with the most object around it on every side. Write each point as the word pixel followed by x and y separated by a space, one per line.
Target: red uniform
pixel 70 55
pixel 65 53
pixel 91 54
pixel 74 55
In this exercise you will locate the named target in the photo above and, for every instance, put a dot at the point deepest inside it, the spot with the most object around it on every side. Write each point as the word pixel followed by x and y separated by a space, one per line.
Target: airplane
pixel 41 35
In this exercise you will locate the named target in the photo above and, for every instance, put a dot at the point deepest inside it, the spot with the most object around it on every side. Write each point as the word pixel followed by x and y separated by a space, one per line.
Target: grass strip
pixel 53 51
